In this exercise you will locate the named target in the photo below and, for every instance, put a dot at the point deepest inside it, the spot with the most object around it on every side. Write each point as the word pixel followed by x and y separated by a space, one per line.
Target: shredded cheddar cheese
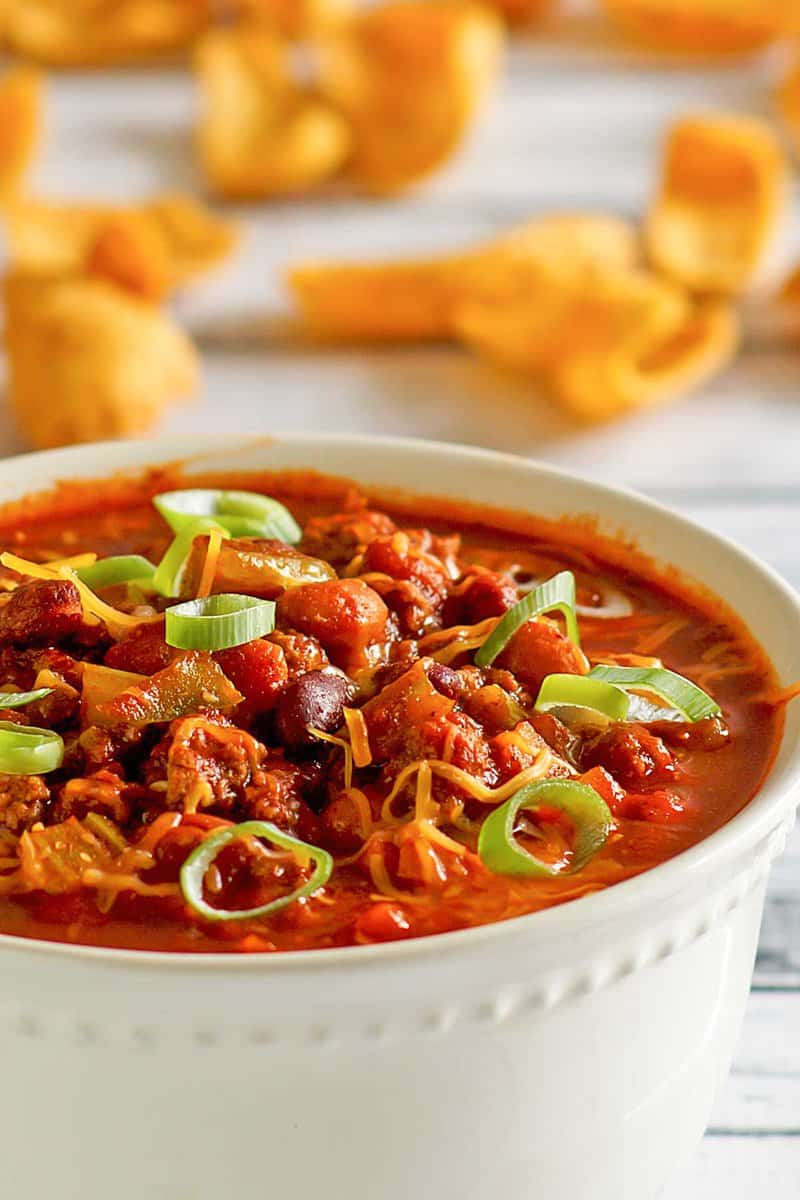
pixel 661 635
pixel 75 562
pixel 142 853
pixel 434 834
pixel 425 807
pixel 109 884
pixel 783 696
pixel 34 570
pixel 343 745
pixel 447 644
pixel 626 660
pixel 198 795
pixel 468 783
pixel 420 862
pixel 359 736
pixel 372 577
pixel 384 885
pixel 210 565
pixel 363 808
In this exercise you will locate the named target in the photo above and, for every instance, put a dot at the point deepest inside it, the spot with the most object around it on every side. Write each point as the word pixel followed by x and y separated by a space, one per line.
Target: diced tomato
pixel 606 786
pixel 661 807
pixel 258 670
pixel 383 923
pixel 171 853
pixel 632 754
pixel 143 651
pixel 346 615
pixel 539 649
pixel 253 944
pixel 67 908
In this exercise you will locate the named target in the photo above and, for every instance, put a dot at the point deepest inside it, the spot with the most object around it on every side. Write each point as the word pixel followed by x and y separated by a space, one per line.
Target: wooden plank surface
pixel 733 1168
pixel 577 124
pixel 763 1095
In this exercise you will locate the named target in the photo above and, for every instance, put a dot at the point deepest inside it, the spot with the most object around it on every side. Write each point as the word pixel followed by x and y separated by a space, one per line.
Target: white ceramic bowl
pixel 572 1055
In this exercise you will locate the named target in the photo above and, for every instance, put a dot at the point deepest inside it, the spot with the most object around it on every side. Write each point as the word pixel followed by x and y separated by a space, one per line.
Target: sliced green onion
pixel 583 691
pixel 26 750
pixel 218 622
pixel 554 595
pixel 193 871
pixel 18 699
pixel 679 693
pixel 122 568
pixel 241 514
pixel 588 811
pixel 167 575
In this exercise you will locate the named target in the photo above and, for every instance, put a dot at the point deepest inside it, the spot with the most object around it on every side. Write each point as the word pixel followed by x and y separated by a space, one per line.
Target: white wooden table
pixel 576 125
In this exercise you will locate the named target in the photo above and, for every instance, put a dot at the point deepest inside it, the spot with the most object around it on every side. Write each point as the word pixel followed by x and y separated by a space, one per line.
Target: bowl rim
pixel 771 805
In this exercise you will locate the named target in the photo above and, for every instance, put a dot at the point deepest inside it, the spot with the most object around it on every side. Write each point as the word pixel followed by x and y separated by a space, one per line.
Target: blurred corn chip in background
pixel 21 93
pixel 607 338
pixel 381 95
pixel 373 302
pixel 562 298
pixel 722 191
pixel 545 252
pixel 88 33
pixel 705 27
pixel 414 299
pixel 789 291
pixel 294 18
pixel 410 77
pixel 260 133
pixel 170 239
pixel 555 317
pixel 128 251
pixel 87 361
pixel 571 238
pixel 519 13
pixel 601 386
pixel 197 238
pixel 787 98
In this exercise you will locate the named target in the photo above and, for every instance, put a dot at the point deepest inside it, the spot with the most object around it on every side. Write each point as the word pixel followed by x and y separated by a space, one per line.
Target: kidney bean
pixel 316 699
pixel 444 679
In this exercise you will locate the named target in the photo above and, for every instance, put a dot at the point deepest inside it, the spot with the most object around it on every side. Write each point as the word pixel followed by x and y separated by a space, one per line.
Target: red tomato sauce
pixel 374 642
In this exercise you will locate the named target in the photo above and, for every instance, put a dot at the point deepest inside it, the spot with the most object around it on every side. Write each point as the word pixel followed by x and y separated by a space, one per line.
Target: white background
pixel 577 123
